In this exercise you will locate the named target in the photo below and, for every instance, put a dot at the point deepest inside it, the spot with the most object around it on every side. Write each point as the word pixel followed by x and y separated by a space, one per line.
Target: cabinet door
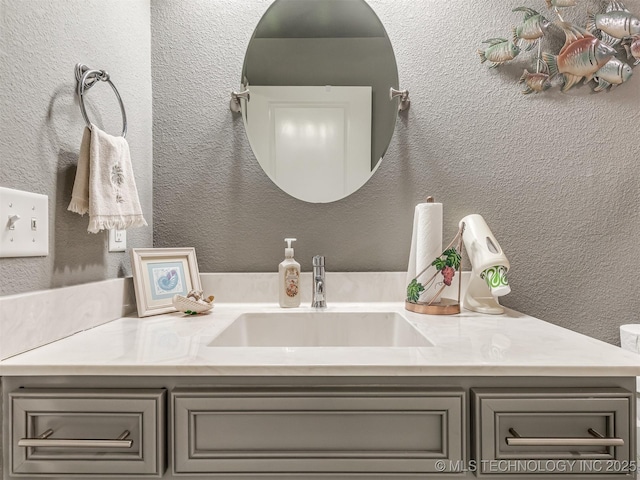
pixel 553 432
pixel 87 432
pixel 319 430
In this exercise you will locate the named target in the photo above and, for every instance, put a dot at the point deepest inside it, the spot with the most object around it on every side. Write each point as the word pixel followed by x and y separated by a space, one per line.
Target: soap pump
pixel 289 278
pixel 489 267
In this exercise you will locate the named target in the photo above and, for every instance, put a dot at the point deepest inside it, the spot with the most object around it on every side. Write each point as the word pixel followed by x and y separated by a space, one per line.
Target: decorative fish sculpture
pixel 561 3
pixel 581 56
pixel 500 50
pixel 615 24
pixel 632 46
pixel 535 82
pixel 528 34
pixel 615 72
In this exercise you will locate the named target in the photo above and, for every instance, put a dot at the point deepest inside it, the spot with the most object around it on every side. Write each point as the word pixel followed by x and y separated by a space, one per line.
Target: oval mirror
pixel 319 118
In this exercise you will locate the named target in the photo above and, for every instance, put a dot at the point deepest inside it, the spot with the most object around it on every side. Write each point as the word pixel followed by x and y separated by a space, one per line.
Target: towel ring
pixel 86 79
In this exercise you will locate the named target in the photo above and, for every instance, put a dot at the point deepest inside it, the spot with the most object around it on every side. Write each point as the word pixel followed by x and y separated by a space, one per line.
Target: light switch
pixel 24 224
pixel 12 221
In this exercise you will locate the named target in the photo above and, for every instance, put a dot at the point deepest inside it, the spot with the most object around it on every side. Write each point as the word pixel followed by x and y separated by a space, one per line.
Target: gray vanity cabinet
pixel 281 430
pixel 62 433
pixel 553 432
pixel 498 428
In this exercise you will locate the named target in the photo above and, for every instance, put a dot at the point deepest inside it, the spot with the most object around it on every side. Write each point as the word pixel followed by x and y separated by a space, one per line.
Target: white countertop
pixel 468 344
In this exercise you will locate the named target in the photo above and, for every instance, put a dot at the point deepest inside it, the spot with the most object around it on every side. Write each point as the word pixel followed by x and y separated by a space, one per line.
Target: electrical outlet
pixel 117 240
pixel 24 224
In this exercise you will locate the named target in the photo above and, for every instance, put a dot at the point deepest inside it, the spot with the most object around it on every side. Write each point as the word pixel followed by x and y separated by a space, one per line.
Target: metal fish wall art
pixel 591 53
pixel 582 55
pixel 561 3
pixel 535 82
pixel 632 47
pixel 615 72
pixel 527 35
pixel 500 50
pixel 615 24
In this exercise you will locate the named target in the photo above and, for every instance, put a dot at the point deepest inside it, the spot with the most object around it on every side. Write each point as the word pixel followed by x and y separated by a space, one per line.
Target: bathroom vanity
pixel 359 389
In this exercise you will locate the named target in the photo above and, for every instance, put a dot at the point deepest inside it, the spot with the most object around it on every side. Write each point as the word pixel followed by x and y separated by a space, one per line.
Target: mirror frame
pixel 278 55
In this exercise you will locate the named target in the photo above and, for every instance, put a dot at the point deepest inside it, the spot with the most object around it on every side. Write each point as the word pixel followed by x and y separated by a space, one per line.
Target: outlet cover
pixel 24 224
pixel 117 240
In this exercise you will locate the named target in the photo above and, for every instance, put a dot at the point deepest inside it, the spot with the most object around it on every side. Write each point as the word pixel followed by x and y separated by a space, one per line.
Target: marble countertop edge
pixel 467 344
pixel 315 371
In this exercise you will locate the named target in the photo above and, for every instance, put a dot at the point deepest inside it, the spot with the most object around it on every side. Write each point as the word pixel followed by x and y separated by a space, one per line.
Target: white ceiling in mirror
pixel 319 118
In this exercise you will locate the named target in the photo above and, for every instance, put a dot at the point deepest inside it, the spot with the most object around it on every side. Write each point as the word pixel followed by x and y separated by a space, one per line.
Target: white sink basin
pixel 321 329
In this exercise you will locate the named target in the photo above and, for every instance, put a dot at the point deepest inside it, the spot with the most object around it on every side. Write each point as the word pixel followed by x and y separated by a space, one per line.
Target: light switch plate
pixel 24 224
pixel 117 240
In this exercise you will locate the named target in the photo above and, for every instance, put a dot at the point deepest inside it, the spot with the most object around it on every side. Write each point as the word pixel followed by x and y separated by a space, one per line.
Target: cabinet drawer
pixel 319 430
pixel 87 432
pixel 553 432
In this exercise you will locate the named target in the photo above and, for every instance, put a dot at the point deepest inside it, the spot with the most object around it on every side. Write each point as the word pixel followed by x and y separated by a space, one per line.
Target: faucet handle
pixel 319 292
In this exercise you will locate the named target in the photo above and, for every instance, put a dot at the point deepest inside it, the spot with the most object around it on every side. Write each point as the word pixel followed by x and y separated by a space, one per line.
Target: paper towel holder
pixel 447 267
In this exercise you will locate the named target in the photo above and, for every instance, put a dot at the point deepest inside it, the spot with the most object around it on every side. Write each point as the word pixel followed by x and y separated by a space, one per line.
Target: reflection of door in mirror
pixel 303 136
pixel 315 43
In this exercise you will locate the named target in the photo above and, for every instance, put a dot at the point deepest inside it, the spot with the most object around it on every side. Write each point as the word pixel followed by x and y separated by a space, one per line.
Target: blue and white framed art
pixel 161 273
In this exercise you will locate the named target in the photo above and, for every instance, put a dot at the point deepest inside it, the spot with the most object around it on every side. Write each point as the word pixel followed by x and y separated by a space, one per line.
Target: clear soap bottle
pixel 289 278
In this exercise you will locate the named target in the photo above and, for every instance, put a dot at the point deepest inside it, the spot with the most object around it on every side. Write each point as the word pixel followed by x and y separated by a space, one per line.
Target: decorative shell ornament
pixel 604 52
pixel 194 303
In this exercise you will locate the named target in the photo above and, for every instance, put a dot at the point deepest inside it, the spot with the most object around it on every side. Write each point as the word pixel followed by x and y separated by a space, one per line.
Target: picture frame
pixel 161 273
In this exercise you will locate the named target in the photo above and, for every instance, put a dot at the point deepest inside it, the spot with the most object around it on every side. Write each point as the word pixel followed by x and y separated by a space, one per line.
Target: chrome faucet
pixel 319 290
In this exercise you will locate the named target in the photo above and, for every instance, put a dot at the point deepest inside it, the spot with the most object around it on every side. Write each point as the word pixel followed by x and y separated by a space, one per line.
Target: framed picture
pixel 161 273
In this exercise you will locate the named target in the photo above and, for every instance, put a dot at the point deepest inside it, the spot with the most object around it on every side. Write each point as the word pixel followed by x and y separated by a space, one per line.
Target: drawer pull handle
pixel 596 440
pixel 44 441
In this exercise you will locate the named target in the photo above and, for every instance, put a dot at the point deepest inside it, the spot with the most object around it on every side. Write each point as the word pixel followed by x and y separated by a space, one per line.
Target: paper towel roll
pixel 630 337
pixel 426 244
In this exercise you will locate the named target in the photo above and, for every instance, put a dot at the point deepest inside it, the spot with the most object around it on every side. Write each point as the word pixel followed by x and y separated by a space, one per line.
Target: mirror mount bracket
pixel 234 105
pixel 404 98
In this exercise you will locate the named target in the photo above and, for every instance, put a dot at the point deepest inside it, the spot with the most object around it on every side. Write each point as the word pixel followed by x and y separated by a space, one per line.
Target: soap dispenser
pixel 289 278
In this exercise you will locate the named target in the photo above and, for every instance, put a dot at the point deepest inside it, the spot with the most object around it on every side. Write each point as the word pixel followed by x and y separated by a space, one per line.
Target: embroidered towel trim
pixel 113 201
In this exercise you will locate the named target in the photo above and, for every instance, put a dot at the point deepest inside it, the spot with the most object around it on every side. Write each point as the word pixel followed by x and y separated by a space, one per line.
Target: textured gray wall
pixel 556 176
pixel 41 125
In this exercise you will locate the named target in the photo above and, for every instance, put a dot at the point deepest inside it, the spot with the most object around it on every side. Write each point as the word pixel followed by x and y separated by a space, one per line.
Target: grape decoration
pixel 448 265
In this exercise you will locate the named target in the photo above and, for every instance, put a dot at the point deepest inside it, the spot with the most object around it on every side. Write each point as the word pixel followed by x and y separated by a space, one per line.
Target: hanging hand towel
pixel 112 193
pixel 80 195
